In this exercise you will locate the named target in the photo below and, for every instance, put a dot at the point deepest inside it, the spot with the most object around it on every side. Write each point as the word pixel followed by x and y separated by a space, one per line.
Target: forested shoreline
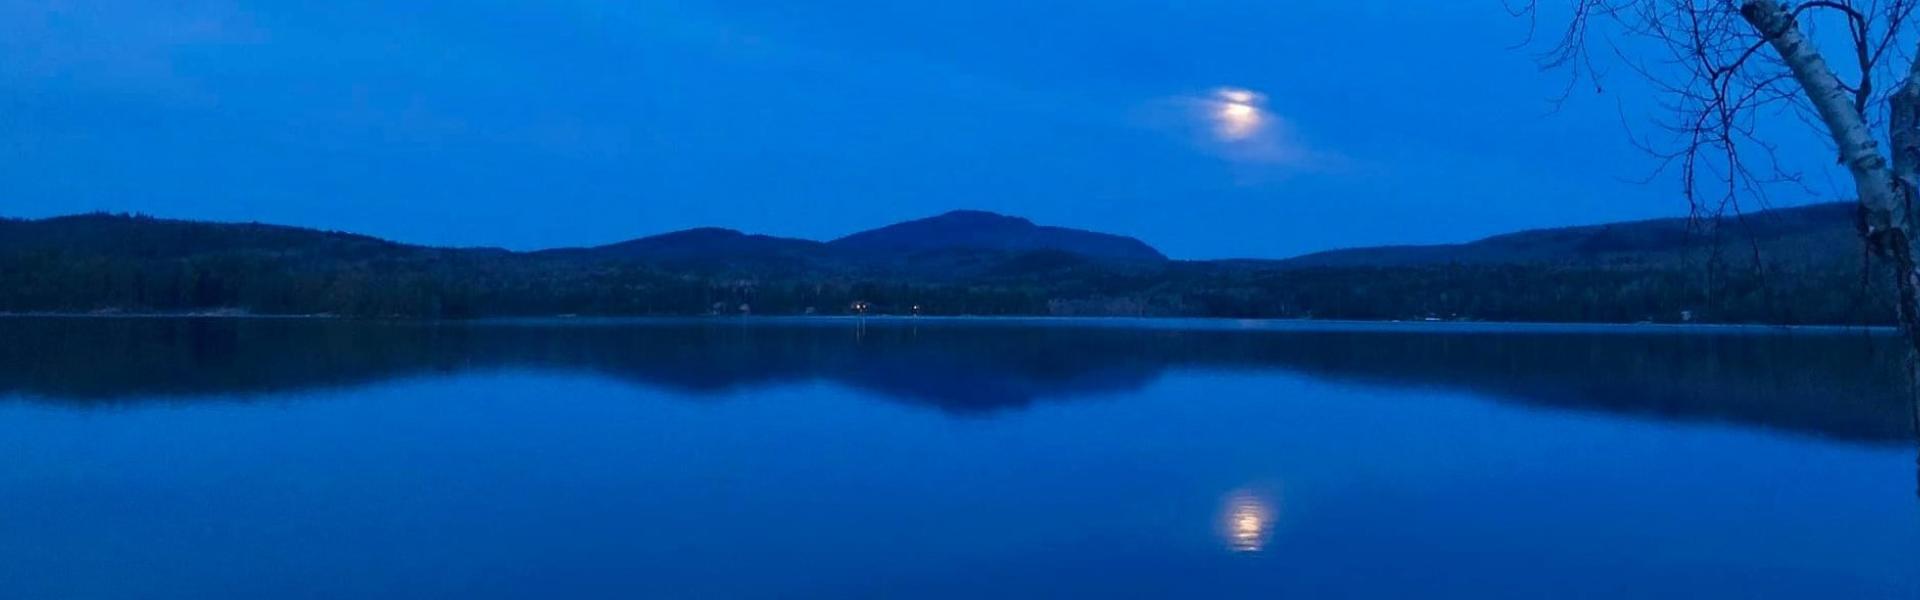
pixel 129 264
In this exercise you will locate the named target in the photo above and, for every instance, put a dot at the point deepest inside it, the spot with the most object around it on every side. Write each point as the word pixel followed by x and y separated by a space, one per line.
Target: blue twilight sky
pixel 570 122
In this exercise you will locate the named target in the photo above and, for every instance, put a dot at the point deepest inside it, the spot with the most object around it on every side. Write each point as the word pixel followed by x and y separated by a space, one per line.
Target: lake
pixel 929 458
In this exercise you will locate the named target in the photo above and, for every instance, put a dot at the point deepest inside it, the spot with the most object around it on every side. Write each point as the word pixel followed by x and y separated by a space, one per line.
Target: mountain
pixel 1797 265
pixel 1790 266
pixel 980 230
pixel 710 247
pixel 149 237
pixel 1826 230
pixel 708 241
pixel 967 242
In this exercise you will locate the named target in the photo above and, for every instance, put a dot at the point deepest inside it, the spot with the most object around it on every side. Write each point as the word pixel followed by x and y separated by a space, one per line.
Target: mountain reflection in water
pixel 1843 385
pixel 930 458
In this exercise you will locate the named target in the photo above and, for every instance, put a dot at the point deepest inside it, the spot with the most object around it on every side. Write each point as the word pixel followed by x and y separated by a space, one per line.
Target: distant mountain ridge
pixel 1828 223
pixel 981 230
pixel 1795 265
pixel 705 240
pixel 708 247
pixel 956 231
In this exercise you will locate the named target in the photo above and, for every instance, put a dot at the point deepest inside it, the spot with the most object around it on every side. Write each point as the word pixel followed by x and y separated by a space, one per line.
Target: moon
pixel 1236 113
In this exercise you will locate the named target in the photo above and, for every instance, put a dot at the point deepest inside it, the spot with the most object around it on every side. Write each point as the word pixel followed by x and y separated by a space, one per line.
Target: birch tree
pixel 1728 70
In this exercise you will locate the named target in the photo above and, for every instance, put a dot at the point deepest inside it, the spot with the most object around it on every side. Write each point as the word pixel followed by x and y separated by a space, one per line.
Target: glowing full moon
pixel 1236 113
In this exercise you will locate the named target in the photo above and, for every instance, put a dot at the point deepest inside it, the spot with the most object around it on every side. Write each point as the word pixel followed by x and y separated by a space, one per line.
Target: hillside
pixel 1815 232
pixel 709 248
pixel 978 230
pixel 146 237
pixel 1799 265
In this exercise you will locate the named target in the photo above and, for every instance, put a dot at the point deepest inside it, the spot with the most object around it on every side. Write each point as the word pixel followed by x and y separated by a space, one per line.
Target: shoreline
pixel 1172 323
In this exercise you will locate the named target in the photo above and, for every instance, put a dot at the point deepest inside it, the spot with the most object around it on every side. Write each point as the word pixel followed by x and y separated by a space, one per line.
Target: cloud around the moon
pixel 1237 125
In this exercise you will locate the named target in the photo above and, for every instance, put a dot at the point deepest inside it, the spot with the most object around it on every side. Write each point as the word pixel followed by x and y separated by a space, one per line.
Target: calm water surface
pixel 184 458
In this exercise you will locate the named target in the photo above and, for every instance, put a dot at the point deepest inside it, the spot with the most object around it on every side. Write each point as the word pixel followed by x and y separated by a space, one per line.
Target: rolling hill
pixel 979 230
pixel 1814 232
pixel 1796 265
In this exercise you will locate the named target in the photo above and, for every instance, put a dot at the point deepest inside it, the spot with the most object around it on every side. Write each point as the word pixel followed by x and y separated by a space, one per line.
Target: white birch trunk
pixel 1885 193
pixel 1885 209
